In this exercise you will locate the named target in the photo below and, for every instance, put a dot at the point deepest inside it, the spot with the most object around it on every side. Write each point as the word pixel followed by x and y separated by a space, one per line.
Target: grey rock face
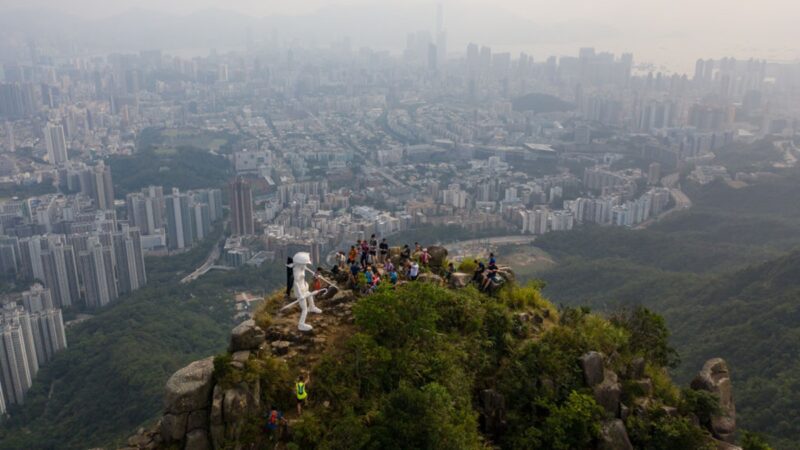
pixel 189 389
pixel 246 336
pixel 614 436
pixel 715 377
pixel 592 365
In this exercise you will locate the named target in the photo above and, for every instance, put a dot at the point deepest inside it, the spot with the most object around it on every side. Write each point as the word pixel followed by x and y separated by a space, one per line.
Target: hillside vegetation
pixel 156 162
pixel 724 277
pixel 423 359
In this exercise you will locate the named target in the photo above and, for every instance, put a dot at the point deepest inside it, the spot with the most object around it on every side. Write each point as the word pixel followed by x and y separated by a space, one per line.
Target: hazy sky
pixel 762 13
pixel 672 29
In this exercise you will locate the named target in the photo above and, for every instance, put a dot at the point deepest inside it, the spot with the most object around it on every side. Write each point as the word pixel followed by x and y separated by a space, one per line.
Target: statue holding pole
pixel 300 264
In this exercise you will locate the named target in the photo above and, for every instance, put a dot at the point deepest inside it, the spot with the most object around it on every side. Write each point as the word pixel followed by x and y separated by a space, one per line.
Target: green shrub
pixel 657 430
pixel 573 425
pixel 702 404
pixel 754 441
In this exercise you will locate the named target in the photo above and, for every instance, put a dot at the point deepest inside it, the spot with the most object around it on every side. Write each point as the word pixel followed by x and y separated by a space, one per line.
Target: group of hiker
pixel 372 259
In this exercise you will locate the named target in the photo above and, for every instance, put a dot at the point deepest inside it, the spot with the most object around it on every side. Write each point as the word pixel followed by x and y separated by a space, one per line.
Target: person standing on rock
pixel 301 392
pixel 384 251
pixel 289 276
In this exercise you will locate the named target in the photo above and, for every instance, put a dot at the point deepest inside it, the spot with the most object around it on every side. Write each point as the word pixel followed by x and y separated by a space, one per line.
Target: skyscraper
pixel 37 298
pixel 96 184
pixel 11 144
pixel 60 272
pixel 241 203
pixel 97 272
pixel 56 144
pixel 48 333
pixel 129 260
pixel 16 314
pixel 179 221
pixel 146 209
pixel 15 374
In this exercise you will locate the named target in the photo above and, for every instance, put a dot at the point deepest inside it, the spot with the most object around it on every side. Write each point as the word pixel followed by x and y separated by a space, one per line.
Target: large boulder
pixel 197 440
pixel 198 420
pixel 173 427
pixel 614 436
pixel 507 274
pixel 427 277
pixel 715 377
pixel 238 405
pixel 189 389
pixel 608 393
pixel 246 336
pixel 460 280
pixel 438 256
pixel 592 365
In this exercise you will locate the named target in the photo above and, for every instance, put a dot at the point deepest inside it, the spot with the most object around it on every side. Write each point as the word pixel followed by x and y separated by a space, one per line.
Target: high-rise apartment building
pixel 241 205
pixel 96 183
pixel 29 337
pixel 179 221
pixel 146 209
pixel 56 144
pixel 15 374
pixel 61 272
pixel 97 272
pixel 129 260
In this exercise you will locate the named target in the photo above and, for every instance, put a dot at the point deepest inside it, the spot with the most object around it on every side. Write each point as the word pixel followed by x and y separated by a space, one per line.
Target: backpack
pixel 273 418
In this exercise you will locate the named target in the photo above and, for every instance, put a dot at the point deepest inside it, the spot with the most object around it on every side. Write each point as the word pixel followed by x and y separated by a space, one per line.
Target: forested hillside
pixel 724 277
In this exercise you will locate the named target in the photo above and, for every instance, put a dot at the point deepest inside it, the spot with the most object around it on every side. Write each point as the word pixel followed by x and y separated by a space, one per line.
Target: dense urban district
pixel 148 199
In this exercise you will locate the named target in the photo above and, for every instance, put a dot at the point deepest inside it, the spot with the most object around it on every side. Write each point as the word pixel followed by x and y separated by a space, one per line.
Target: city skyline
pixel 668 33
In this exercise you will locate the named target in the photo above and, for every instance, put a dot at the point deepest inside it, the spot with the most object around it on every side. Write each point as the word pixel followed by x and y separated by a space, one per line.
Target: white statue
pixel 300 264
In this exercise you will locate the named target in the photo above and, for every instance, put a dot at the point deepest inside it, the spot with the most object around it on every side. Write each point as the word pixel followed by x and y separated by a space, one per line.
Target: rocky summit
pixel 547 370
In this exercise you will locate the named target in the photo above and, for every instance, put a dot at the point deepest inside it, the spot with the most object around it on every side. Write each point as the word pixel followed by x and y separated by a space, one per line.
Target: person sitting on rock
pixel 451 269
pixel 477 276
pixel 388 267
pixel 318 283
pixel 376 278
pixel 413 272
pixel 368 274
pixel 393 277
pixel 405 254
pixel 490 276
pixel 492 259
pixel 301 392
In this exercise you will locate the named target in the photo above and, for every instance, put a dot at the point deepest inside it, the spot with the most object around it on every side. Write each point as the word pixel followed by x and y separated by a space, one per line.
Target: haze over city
pixel 352 224
pixel 670 33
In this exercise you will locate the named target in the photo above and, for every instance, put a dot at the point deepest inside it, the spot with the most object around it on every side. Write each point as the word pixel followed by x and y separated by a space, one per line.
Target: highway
pixel 213 256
